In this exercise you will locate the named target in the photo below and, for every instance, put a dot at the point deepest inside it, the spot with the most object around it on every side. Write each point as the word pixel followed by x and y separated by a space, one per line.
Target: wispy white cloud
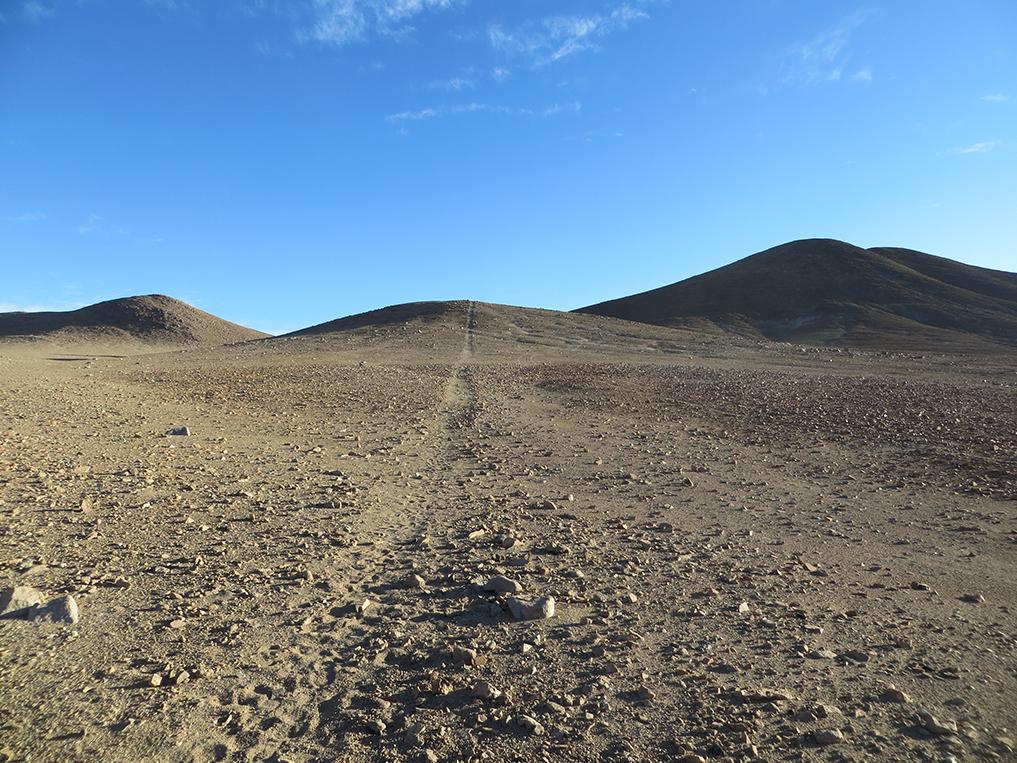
pixel 35 11
pixel 435 112
pixel 470 78
pixel 329 22
pixel 978 148
pixel 825 57
pixel 454 84
pixel 90 225
pixel 591 136
pixel 170 5
pixel 341 22
pixel 573 107
pixel 415 116
pixel 344 22
pixel 464 108
pixel 24 218
pixel 274 49
pixel 996 98
pixel 862 75
pixel 95 224
pixel 556 37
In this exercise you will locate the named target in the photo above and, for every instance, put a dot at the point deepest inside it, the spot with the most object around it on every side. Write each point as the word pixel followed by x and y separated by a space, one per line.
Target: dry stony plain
pixel 480 533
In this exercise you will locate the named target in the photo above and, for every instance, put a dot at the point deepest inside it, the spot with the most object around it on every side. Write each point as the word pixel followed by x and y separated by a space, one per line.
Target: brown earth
pixel 152 320
pixel 821 291
pixel 757 551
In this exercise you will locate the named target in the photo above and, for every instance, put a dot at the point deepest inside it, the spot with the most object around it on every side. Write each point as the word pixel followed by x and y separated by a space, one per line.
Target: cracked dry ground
pixel 756 554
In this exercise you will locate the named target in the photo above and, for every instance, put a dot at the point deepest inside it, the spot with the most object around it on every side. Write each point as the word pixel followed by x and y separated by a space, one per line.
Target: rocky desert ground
pixel 479 533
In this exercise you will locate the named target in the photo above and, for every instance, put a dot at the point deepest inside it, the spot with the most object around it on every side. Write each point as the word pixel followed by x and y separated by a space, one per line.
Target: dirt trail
pixel 733 581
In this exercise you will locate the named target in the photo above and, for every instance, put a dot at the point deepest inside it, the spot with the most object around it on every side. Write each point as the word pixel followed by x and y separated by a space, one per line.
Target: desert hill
pixel 394 314
pixel 428 328
pixel 822 291
pixel 151 319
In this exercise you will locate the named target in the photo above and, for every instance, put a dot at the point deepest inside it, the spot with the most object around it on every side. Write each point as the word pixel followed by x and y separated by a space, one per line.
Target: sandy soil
pixel 756 552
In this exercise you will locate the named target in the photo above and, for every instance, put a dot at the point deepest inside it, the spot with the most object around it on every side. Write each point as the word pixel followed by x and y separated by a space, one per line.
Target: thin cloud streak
pixel 328 22
pixel 25 218
pixel 825 58
pixel 342 22
pixel 97 225
pixel 978 148
pixel 35 11
pixel 436 112
pixel 862 75
pixel 557 37
pixel 454 84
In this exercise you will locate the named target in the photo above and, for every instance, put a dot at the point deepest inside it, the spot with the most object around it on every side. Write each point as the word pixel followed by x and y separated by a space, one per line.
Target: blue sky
pixel 286 162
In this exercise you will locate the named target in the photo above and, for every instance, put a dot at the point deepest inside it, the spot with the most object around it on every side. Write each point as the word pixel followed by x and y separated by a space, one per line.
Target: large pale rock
pixel 484 690
pixel 541 609
pixel 502 584
pixel 62 610
pixel 14 602
pixel 827 737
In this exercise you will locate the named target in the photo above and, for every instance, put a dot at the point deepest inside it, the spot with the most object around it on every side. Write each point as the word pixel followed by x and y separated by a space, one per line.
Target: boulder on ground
pixel 541 609
pixel 62 610
pixel 16 601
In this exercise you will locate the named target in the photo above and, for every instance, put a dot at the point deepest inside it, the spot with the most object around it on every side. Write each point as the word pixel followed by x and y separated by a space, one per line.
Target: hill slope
pixel 439 331
pixel 427 312
pixel 151 319
pixel 824 291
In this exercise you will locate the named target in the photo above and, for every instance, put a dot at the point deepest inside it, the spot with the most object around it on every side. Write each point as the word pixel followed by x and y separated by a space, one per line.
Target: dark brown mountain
pixel 821 291
pixel 151 319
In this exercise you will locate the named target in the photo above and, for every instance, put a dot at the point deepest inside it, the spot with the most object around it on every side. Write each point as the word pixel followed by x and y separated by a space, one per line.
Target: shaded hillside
pixel 493 318
pixel 438 329
pixel 385 316
pixel 151 319
pixel 824 291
